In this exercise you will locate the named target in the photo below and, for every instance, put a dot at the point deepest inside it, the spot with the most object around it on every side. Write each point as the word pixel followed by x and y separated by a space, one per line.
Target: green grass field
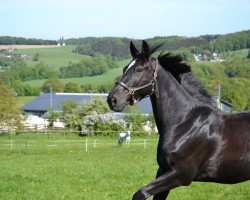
pixel 104 79
pixel 54 57
pixel 40 166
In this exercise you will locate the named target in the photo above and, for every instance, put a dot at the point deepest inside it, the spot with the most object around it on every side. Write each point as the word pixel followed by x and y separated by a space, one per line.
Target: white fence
pixel 27 145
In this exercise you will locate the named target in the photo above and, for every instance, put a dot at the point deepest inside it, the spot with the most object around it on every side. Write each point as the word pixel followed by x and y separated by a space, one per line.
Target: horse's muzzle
pixel 111 101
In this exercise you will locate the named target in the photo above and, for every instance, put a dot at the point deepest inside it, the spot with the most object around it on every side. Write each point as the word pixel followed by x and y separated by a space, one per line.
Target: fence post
pixel 145 143
pixel 11 146
pixel 86 145
pixel 26 146
pixel 94 143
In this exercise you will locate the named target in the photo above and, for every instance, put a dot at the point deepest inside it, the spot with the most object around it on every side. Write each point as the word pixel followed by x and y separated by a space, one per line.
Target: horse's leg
pixel 163 183
pixel 162 195
pixel 119 142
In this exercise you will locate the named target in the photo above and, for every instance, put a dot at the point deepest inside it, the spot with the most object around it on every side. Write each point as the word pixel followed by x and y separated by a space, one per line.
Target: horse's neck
pixel 172 102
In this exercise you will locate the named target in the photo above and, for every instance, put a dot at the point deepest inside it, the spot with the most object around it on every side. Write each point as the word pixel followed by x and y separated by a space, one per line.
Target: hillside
pixel 28 69
pixel 119 47
pixel 99 80
pixel 53 57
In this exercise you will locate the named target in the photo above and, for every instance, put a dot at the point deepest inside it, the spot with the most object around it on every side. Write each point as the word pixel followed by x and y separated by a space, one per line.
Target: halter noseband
pixel 133 90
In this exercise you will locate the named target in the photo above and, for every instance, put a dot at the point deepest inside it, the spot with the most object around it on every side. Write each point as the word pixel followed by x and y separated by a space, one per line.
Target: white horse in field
pixel 122 137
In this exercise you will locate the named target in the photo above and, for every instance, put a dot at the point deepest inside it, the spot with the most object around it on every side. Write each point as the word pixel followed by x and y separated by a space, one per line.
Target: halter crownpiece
pixel 152 83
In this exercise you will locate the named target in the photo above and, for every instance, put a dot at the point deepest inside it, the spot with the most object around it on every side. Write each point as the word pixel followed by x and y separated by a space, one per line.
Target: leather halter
pixel 133 90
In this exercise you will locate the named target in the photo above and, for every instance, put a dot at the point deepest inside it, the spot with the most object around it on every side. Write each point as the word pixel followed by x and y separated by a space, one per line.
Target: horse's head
pixel 137 81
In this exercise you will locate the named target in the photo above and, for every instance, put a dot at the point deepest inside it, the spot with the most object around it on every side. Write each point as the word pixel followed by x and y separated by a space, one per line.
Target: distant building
pixel 222 105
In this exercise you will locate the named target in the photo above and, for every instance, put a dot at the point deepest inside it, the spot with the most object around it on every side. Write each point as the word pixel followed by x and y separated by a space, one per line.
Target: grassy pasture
pixel 54 57
pixel 58 167
pixel 104 79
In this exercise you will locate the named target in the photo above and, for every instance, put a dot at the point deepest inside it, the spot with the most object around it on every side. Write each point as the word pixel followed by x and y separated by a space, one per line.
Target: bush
pixel 104 122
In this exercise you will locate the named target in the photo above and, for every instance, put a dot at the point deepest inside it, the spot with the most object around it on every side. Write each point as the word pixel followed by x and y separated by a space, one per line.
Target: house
pixel 41 104
pixel 222 104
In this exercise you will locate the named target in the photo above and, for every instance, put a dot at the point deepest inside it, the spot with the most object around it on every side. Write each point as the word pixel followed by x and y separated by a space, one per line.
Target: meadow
pixel 41 166
pixel 54 57
pixel 99 80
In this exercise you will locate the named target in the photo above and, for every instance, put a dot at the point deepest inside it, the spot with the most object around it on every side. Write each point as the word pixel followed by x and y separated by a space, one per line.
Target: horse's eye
pixel 138 70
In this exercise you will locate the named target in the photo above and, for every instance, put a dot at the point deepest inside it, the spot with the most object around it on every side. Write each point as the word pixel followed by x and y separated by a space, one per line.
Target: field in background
pixel 58 167
pixel 54 57
pixel 107 77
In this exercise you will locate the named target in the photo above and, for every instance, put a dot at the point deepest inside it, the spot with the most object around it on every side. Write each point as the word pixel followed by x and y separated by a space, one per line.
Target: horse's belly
pixel 233 171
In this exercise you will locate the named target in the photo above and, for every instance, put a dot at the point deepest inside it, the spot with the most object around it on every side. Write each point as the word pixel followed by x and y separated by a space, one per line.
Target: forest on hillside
pixel 119 47
pixel 8 40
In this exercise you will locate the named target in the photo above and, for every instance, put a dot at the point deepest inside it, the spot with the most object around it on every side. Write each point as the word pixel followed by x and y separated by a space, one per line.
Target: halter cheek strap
pixel 133 90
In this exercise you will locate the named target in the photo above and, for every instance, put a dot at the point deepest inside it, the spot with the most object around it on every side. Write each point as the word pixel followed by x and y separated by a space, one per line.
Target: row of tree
pixel 55 85
pixel 19 70
pixel 88 66
pixel 7 40
pixel 24 72
pixel 118 47
pixel 115 47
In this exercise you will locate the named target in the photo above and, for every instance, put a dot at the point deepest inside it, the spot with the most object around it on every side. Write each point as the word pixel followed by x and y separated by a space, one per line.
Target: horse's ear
pixel 133 50
pixel 145 49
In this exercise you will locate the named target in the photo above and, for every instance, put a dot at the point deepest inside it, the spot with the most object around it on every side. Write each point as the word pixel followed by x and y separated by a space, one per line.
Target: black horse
pixel 197 142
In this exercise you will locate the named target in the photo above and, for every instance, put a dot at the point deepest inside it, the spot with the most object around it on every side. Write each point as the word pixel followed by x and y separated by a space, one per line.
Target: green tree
pixel 237 93
pixel 72 87
pixel 135 118
pixel 96 105
pixel 52 116
pixel 18 87
pixel 248 55
pixel 54 84
pixel 70 114
pixel 9 113
pixel 73 113
pixel 36 57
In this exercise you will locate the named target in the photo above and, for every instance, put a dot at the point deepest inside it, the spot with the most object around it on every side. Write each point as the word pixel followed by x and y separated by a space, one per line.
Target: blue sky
pixel 140 19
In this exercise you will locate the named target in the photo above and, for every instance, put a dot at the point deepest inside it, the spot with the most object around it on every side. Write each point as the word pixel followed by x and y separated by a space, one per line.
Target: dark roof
pixel 226 103
pixel 43 102
pixel 222 101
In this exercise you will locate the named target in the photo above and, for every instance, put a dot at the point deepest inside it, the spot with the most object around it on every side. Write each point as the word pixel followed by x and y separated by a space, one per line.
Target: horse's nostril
pixel 114 101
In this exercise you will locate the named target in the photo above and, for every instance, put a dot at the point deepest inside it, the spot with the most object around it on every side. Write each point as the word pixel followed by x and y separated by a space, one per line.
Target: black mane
pixel 181 71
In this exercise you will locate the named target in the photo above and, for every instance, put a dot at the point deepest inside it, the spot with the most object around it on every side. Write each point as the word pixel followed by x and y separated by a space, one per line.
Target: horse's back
pixel 236 125
pixel 121 135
